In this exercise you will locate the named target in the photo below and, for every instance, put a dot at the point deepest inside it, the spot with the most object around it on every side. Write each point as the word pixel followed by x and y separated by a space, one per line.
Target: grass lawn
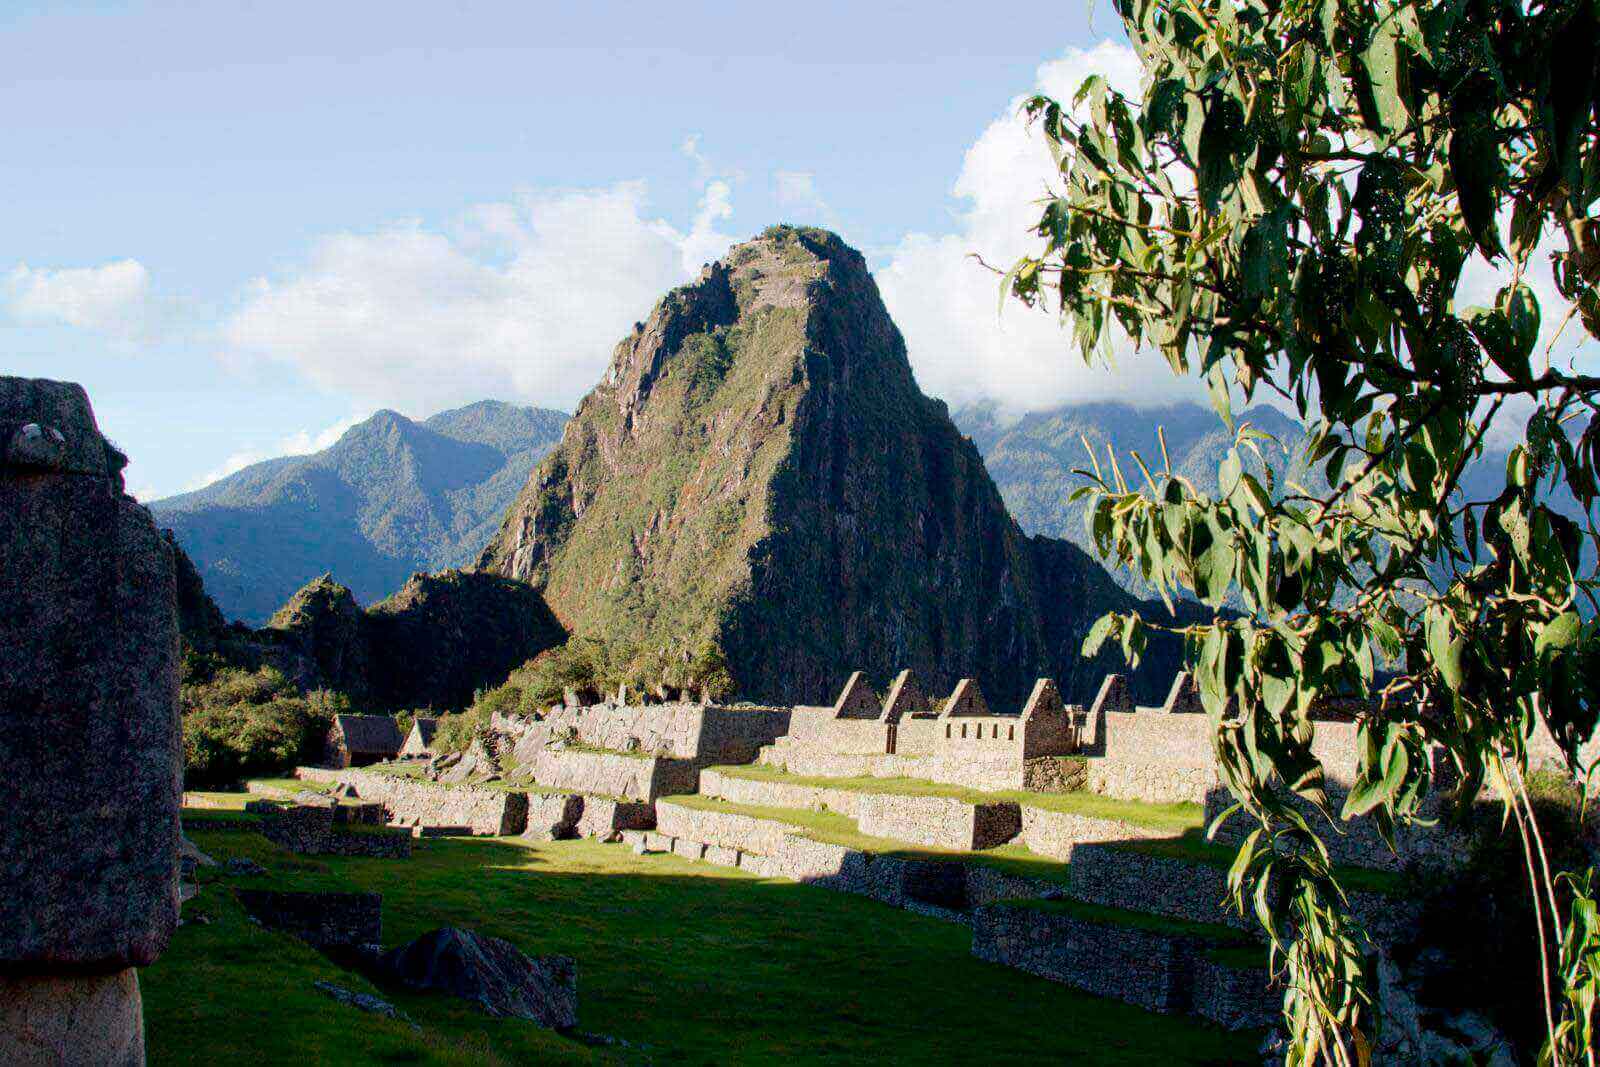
pixel 1175 818
pixel 207 800
pixel 687 962
pixel 287 786
pixel 417 772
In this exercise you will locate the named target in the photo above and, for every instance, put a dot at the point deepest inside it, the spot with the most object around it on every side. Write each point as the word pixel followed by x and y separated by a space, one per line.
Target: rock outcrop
pixel 493 974
pixel 442 636
pixel 759 469
pixel 90 758
pixel 430 645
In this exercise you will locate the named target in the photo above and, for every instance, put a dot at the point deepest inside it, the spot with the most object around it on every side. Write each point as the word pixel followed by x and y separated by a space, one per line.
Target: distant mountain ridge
pixel 1032 457
pixel 391 497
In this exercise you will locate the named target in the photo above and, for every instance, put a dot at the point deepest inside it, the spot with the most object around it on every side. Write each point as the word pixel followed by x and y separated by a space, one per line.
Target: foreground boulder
pixel 494 974
pixel 89 744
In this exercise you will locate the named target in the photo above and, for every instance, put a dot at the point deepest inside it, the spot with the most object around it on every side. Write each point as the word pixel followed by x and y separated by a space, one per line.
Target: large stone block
pixel 491 973
pixel 90 760
pixel 939 822
pixel 72 1021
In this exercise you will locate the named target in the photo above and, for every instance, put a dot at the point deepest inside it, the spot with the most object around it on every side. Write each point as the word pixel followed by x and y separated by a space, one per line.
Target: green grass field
pixel 687 962
pixel 1175 818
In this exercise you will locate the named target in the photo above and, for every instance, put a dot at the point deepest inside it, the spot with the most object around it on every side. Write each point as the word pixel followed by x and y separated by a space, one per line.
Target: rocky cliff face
pixel 758 467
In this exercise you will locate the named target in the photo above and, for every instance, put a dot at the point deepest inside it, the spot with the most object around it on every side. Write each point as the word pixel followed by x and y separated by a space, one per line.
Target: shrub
pixel 239 723
pixel 456 732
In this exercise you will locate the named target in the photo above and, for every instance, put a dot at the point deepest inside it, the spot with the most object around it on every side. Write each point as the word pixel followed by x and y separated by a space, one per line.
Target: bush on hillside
pixel 455 733
pixel 593 669
pixel 240 723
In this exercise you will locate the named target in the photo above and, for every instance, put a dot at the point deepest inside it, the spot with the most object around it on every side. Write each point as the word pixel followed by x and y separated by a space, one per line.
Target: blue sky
pixel 244 226
pixel 175 182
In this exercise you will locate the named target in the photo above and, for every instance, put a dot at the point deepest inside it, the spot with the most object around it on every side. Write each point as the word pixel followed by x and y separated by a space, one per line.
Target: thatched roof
pixel 370 735
pixel 424 729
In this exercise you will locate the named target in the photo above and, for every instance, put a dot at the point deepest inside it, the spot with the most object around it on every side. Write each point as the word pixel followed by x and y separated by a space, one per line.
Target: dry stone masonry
pixel 89 753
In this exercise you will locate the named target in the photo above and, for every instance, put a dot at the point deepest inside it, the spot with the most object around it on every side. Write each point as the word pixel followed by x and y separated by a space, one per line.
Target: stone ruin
pixel 89 744
pixel 959 740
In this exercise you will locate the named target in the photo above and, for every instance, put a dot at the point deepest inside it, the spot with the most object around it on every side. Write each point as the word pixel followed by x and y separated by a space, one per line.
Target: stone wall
pixel 605 818
pixel 310 830
pixel 1156 970
pixel 544 814
pixel 1152 756
pixel 553 816
pixel 495 812
pixel 1057 833
pixel 90 754
pixel 1196 891
pixel 708 733
pixel 324 920
pixel 779 794
pixel 776 850
pixel 728 829
pixel 72 1019
pixel 1436 848
pixel 1122 962
pixel 1235 998
pixel 89 747
pixel 939 822
pixel 610 773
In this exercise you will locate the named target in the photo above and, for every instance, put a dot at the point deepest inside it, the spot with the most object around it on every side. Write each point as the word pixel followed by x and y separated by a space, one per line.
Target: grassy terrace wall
pixel 1049 824
pixel 1174 968
pixel 825 849
pixel 495 812
pixel 621 774
pixel 492 810
pixel 706 733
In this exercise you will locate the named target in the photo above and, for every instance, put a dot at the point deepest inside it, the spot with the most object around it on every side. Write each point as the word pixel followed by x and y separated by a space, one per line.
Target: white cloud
pixel 801 201
pixel 112 299
pixel 946 303
pixel 300 443
pixel 519 300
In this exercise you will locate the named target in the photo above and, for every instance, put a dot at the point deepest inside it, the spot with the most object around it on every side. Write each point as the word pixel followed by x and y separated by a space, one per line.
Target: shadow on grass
pixel 687 962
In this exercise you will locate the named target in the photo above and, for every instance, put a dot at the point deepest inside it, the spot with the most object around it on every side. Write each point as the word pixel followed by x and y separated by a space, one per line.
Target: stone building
pixel 959 740
pixel 88 672
pixel 419 741
pixel 357 740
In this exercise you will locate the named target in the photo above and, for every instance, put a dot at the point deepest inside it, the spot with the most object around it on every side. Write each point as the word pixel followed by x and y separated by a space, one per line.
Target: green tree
pixel 1288 206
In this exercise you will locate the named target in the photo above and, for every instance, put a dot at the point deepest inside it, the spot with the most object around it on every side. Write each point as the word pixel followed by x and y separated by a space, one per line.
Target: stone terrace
pixel 1067 838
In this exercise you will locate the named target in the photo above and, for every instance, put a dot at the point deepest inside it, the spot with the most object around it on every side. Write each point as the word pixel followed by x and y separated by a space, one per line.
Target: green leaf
pixel 1559 634
pixel 1478 173
pixel 1222 137
pixel 1381 72
pixel 1217 389
pixel 1521 309
pixel 1102 629
pixel 1446 647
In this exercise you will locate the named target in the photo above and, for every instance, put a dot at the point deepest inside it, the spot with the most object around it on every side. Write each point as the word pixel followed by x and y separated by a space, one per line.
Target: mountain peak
pixel 758 470
pixel 391 497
